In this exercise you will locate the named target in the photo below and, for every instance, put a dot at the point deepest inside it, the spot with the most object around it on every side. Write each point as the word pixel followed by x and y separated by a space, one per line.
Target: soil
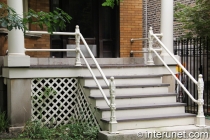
pixel 6 135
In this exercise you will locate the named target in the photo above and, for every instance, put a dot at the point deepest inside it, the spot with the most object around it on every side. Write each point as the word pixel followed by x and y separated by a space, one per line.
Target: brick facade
pixel 44 41
pixel 130 26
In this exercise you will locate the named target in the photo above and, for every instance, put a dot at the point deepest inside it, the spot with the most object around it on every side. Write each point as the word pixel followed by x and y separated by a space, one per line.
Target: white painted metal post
pixel 150 39
pixel 113 121
pixel 16 49
pixel 16 36
pixel 77 40
pixel 167 25
pixel 200 121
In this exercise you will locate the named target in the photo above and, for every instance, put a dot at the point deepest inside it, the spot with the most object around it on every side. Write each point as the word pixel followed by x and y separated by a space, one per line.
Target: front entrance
pixel 99 26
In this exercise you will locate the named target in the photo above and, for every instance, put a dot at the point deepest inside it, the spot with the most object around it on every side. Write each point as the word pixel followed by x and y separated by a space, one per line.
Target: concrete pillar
pixel 18 102
pixel 16 49
pixel 167 30
pixel 167 24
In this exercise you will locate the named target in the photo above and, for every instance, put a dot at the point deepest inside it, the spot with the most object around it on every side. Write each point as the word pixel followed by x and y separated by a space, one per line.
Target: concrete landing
pixel 188 132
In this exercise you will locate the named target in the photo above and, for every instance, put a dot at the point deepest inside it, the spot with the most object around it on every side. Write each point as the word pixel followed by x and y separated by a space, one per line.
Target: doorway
pixel 99 26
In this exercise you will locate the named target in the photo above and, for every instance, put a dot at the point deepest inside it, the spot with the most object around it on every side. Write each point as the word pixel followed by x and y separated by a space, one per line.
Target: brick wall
pixel 44 41
pixel 154 13
pixel 130 26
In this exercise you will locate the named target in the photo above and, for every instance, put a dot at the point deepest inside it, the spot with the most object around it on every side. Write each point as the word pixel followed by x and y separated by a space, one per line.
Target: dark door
pixel 108 31
pixel 98 25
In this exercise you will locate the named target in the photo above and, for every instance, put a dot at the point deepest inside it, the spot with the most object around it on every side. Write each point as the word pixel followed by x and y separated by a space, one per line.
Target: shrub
pixel 72 131
pixel 4 123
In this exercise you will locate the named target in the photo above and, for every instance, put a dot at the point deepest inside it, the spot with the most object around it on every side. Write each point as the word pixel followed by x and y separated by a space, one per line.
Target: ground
pixel 5 135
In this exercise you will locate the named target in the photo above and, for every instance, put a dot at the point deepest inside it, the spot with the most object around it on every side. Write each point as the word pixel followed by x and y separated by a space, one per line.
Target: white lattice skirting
pixel 59 101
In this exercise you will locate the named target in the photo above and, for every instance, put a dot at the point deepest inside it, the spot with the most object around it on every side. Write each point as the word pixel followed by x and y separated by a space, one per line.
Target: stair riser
pixel 123 71
pixel 135 71
pixel 133 101
pixel 125 91
pixel 136 81
pixel 152 123
pixel 146 111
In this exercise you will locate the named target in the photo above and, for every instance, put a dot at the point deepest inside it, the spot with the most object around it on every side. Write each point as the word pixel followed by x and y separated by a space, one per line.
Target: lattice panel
pixel 58 101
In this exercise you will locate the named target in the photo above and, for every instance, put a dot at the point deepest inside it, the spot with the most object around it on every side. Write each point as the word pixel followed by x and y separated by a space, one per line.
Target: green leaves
pixel 51 20
pixel 4 123
pixel 71 131
pixel 194 19
pixel 9 18
pixel 111 3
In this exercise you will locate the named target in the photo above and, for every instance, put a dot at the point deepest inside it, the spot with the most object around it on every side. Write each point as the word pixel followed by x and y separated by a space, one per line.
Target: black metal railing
pixel 194 55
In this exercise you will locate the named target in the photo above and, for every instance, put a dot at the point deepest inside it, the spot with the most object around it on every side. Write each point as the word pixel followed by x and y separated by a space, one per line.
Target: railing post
pixel 200 121
pixel 77 40
pixel 150 57
pixel 113 121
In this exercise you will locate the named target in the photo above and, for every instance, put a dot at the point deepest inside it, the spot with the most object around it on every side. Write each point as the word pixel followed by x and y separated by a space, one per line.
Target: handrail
pixel 132 51
pixel 199 83
pixel 183 68
pixel 135 39
pixel 51 50
pixel 91 54
pixel 175 77
pixel 111 85
pixel 53 33
pixel 107 101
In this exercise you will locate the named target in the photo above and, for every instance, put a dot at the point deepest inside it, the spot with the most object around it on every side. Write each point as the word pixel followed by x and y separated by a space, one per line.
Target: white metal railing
pixel 111 84
pixel 200 84
pixel 143 51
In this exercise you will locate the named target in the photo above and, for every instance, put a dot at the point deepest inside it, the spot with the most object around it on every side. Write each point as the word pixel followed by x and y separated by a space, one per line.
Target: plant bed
pixel 36 130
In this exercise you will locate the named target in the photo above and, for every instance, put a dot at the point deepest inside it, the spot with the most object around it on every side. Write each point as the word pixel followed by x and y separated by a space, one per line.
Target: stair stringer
pixel 85 111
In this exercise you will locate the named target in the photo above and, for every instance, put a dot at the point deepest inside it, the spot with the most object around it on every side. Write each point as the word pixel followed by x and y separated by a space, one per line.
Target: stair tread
pixel 150 117
pixel 141 106
pixel 123 96
pixel 125 76
pixel 131 86
pixel 101 65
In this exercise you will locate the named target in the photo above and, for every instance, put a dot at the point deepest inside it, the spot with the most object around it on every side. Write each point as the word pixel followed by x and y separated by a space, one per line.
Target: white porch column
pixel 166 29
pixel 16 53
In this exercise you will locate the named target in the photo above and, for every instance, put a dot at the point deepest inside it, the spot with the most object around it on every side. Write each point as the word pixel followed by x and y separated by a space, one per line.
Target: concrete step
pixel 123 70
pixel 132 99
pixel 123 80
pixel 138 110
pixel 128 89
pixel 137 122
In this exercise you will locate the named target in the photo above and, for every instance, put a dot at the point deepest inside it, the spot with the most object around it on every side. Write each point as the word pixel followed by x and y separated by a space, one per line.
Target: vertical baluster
pixel 77 40
pixel 200 116
pixel 113 121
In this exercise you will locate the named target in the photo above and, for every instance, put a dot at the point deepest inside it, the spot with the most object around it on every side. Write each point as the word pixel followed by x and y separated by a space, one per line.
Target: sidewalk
pixel 207 122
